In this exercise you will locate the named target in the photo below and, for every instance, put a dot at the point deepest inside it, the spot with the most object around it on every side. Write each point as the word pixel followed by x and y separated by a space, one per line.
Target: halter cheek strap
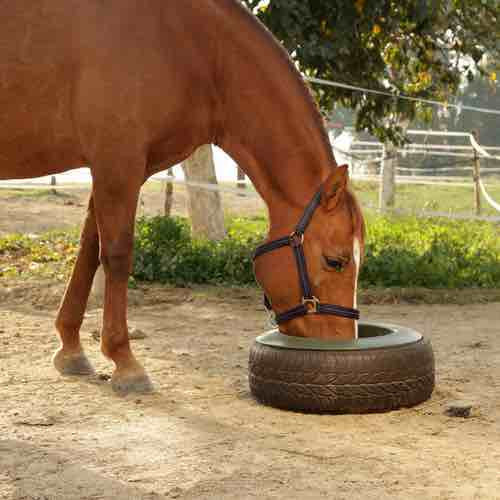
pixel 310 304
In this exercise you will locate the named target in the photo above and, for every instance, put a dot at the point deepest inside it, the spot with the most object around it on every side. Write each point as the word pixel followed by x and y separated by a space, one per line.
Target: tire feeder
pixel 387 367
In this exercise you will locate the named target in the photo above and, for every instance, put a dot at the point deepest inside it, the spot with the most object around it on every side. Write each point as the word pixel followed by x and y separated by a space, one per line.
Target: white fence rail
pixel 367 159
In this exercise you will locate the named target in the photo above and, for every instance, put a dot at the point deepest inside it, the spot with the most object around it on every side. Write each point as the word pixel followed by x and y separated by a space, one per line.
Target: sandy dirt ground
pixel 202 436
pixel 40 211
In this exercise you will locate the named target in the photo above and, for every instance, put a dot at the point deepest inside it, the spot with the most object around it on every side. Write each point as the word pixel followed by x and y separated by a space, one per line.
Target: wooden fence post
pixel 53 183
pixel 476 175
pixel 240 183
pixel 169 194
pixel 387 191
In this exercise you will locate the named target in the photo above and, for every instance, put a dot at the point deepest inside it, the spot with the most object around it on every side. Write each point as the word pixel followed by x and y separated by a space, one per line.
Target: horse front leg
pixel 70 358
pixel 115 197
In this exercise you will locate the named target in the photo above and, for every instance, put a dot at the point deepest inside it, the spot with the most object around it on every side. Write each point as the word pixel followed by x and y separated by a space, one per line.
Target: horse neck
pixel 268 121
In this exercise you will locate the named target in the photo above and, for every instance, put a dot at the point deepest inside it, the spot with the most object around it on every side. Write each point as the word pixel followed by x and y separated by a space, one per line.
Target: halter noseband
pixel 310 304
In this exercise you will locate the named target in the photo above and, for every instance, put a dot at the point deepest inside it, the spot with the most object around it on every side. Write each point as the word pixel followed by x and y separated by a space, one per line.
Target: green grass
pixel 415 198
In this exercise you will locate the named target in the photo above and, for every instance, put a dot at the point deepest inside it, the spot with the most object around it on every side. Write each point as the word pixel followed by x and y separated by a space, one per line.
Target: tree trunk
pixel 204 206
pixel 387 193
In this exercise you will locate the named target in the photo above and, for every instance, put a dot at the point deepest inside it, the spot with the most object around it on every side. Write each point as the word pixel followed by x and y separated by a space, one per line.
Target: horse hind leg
pixel 115 197
pixel 70 358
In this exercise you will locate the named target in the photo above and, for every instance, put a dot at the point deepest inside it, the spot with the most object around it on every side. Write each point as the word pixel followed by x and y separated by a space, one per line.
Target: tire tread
pixel 342 381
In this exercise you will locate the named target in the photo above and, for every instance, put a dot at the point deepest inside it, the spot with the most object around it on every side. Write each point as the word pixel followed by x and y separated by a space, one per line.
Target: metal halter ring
pixel 296 239
pixel 311 303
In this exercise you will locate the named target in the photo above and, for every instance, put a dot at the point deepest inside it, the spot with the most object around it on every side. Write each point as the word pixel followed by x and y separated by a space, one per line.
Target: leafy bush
pixel 432 253
pixel 400 252
pixel 50 255
pixel 165 252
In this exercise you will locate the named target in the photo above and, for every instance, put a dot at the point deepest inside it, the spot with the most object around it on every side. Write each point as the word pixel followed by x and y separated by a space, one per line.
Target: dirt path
pixel 40 210
pixel 201 436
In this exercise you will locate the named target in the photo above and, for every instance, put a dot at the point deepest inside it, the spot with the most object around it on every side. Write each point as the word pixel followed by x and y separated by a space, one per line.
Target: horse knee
pixel 117 265
pixel 89 242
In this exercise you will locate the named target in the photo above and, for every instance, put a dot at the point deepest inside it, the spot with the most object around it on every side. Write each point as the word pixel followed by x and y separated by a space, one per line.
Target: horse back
pixel 75 74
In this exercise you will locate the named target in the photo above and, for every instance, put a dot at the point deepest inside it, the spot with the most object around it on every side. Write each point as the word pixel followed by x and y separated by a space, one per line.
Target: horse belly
pixel 36 134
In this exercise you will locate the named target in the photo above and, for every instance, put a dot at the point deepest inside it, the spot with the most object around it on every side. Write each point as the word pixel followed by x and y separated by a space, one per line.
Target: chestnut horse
pixel 132 87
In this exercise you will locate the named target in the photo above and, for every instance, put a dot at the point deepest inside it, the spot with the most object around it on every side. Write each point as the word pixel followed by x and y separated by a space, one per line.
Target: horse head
pixel 312 289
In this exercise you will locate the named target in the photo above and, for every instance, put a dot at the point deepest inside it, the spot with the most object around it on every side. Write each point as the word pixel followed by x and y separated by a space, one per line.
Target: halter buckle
pixel 311 304
pixel 296 239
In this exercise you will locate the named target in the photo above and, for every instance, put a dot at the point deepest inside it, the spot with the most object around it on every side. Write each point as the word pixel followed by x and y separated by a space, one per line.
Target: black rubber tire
pixel 355 381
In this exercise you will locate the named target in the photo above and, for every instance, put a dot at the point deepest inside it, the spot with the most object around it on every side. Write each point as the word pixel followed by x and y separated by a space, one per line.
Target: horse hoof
pixel 72 364
pixel 134 384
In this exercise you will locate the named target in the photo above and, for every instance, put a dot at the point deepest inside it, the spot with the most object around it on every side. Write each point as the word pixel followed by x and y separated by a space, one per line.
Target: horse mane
pixel 304 89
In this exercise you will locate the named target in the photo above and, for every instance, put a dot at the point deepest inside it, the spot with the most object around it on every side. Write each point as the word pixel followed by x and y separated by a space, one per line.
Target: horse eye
pixel 336 264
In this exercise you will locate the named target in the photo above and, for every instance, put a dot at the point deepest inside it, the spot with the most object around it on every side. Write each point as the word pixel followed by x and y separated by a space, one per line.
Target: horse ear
pixel 334 187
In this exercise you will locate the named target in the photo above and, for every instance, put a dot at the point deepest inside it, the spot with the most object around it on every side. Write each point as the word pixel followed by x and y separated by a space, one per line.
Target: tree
pixel 419 48
pixel 204 206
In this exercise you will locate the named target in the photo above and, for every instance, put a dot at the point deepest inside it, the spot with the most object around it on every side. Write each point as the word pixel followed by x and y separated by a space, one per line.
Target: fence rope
pixel 483 153
pixel 487 197
pixel 250 193
pixel 432 169
pixel 459 107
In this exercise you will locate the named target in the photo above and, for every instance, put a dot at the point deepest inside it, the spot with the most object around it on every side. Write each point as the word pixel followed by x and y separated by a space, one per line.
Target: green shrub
pixel 400 252
pixel 50 255
pixel 165 252
pixel 432 253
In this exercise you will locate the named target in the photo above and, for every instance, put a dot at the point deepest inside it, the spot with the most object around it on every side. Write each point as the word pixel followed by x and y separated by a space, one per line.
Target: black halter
pixel 310 304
